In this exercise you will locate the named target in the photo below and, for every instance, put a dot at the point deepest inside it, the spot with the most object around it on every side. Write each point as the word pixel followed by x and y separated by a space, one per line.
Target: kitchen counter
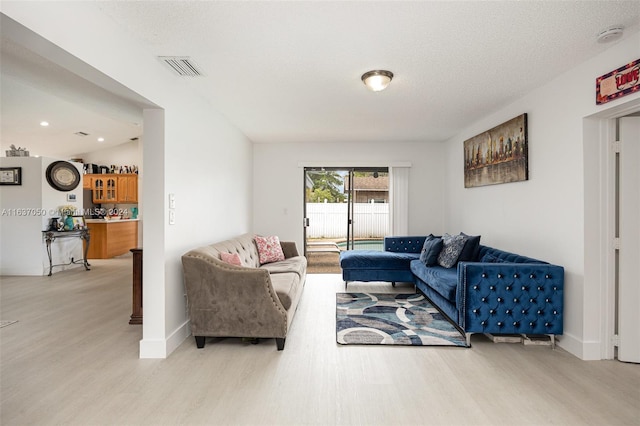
pixel 109 221
pixel 110 238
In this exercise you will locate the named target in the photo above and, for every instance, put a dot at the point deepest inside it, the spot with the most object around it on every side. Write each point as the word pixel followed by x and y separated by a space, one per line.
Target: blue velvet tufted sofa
pixel 497 293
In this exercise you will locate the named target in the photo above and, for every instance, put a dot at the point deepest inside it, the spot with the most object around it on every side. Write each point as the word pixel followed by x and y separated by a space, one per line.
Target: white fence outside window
pixel 329 220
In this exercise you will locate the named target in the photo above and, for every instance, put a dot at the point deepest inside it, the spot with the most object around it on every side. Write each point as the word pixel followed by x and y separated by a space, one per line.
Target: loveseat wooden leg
pixel 280 343
pixel 199 341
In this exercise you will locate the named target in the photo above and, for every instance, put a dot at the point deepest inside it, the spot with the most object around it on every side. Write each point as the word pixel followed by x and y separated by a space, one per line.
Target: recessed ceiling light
pixel 100 139
pixel 44 123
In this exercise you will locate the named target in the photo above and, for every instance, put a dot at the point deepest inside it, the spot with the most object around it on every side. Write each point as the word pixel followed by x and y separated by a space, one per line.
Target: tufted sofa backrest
pixel 244 245
pixel 505 256
pixel 404 244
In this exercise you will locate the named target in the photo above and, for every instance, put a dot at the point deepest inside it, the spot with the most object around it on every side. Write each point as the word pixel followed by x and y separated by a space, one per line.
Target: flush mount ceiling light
pixel 377 80
pixel 610 34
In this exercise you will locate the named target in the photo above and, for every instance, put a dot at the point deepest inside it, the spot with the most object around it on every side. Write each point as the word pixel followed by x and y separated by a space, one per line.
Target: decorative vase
pixel 68 223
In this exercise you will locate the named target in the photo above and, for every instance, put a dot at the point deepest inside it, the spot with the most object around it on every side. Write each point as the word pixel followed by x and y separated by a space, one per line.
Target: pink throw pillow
pixel 269 249
pixel 231 258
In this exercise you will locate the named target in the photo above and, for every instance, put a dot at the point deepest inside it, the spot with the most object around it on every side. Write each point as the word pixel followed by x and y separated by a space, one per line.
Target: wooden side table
pixel 136 315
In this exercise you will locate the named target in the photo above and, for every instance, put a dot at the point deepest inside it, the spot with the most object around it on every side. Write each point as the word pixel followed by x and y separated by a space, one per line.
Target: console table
pixel 51 236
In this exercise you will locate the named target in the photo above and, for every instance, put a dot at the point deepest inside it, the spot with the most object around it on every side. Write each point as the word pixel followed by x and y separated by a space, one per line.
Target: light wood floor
pixel 73 359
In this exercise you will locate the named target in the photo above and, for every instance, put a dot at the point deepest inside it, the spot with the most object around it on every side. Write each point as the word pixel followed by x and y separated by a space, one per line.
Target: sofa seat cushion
pixel 286 285
pixel 371 259
pixel 297 264
pixel 442 280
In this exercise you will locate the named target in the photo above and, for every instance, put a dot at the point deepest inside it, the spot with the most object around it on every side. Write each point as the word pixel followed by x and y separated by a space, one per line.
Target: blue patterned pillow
pixel 451 248
pixel 430 250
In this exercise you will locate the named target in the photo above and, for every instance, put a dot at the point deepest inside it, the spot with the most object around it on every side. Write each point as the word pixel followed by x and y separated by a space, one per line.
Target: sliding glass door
pixel 368 208
pixel 345 208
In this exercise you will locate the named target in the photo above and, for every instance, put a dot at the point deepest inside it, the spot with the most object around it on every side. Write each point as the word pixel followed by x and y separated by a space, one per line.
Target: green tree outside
pixel 327 185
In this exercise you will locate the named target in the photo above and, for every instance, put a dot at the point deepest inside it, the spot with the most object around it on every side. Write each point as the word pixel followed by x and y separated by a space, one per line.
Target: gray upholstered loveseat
pixel 251 300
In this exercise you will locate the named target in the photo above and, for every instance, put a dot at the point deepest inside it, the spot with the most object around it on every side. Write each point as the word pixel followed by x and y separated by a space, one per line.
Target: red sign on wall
pixel 618 83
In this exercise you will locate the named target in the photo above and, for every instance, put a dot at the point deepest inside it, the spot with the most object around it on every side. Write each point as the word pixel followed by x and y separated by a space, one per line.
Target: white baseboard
pixel 29 271
pixel 162 348
pixel 153 348
pixel 178 336
pixel 586 351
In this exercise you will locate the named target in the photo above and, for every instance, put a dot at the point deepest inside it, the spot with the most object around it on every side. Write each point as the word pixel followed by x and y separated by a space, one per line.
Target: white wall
pixel 189 150
pixel 279 186
pixel 21 236
pixel 128 153
pixel 544 217
pixel 25 213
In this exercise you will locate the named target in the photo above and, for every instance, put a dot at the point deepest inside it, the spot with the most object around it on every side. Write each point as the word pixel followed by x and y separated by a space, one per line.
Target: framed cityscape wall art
pixel 498 155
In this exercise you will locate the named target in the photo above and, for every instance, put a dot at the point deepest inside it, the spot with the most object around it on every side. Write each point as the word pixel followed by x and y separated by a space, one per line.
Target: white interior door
pixel 629 233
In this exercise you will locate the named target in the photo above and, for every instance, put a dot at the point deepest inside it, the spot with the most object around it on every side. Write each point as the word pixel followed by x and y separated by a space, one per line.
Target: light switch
pixel 172 201
pixel 172 217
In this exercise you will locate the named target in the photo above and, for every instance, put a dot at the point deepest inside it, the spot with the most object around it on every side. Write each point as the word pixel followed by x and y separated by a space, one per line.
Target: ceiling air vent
pixel 81 134
pixel 181 65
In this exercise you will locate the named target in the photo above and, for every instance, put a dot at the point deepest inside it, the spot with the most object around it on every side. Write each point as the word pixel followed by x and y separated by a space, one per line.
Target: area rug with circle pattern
pixel 392 319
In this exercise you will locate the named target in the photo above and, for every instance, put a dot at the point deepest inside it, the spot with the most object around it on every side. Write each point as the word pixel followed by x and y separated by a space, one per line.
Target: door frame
pixel 627 224
pixel 599 307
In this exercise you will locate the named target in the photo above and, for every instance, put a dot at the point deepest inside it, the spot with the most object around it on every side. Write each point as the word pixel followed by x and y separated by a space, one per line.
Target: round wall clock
pixel 63 176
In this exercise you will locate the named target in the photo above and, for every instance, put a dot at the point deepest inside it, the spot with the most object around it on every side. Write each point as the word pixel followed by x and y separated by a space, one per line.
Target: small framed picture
pixel 71 198
pixel 10 175
pixel 78 222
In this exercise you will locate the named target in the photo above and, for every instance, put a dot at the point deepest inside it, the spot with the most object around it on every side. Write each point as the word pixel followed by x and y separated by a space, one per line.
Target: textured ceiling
pixel 34 89
pixel 290 71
